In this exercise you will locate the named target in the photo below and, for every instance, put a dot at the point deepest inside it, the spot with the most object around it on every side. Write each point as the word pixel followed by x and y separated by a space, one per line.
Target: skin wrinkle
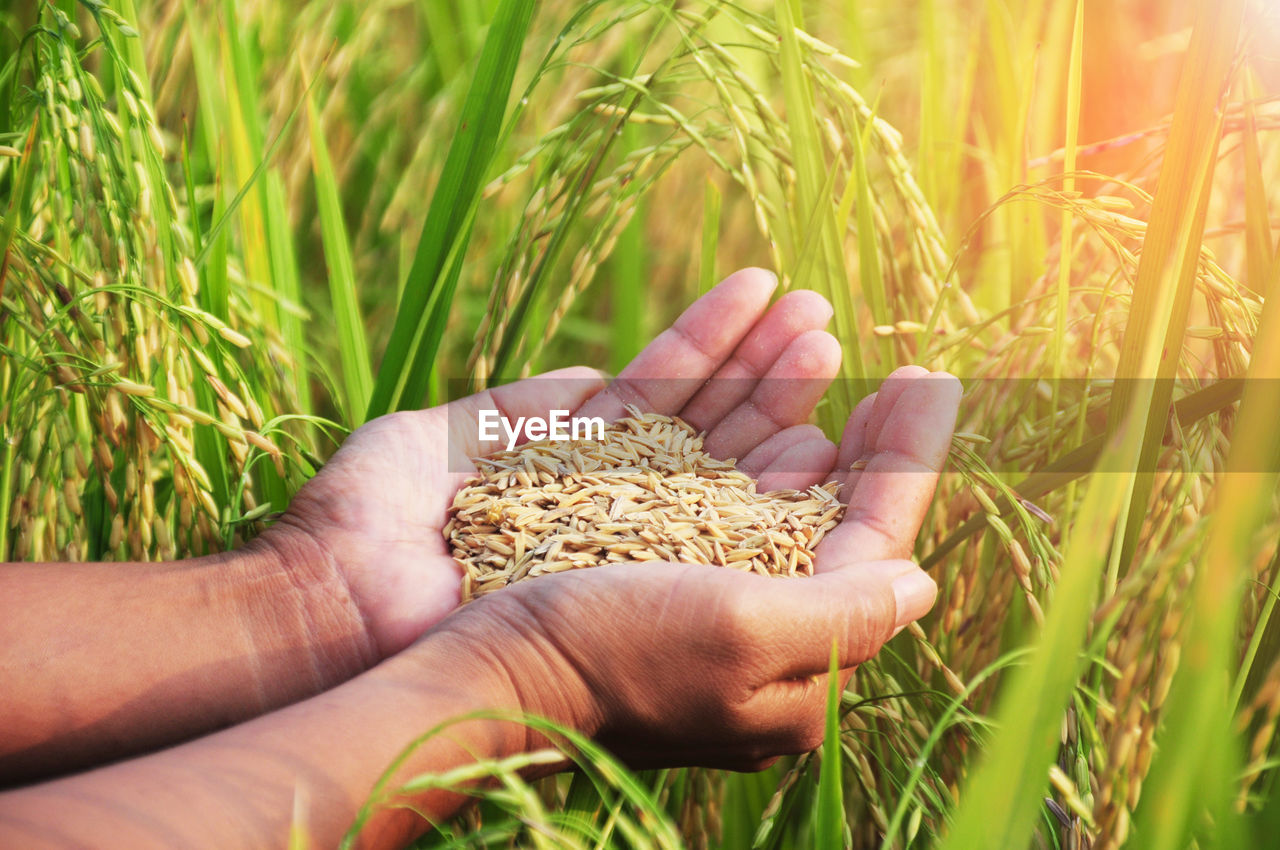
pixel 266 630
pixel 853 440
pixel 713 639
pixel 257 680
pixel 742 320
pixel 791 465
pixel 111 812
pixel 323 606
pixel 348 539
pixel 914 406
pixel 756 354
pixel 854 604
pixel 762 456
pixel 704 420
pixel 314 648
pixel 873 622
pixel 631 392
pixel 693 341
pixel 777 411
pixel 498 742
pixel 327 664
pixel 893 389
pixel 594 719
pixel 664 610
pixel 771 740
pixel 859 480
pixel 802 715
pixel 795 319
pixel 365 649
pixel 750 371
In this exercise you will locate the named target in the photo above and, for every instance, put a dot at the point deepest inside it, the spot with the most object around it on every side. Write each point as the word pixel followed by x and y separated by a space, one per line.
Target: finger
pixel 759 458
pixel 858 608
pixel 561 389
pixel 854 438
pixel 797 709
pixel 793 314
pixel 670 370
pixel 893 491
pixel 800 707
pixel 784 397
pixel 800 467
pixel 890 390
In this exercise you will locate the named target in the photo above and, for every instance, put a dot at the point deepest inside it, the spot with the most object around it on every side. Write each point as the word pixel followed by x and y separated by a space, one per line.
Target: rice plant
pixel 233 231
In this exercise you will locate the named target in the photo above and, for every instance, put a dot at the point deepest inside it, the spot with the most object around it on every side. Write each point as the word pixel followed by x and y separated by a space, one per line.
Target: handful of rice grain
pixel 646 492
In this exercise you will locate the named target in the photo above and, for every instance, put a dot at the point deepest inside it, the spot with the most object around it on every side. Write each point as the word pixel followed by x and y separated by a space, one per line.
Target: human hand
pixel 376 512
pixel 672 664
pixel 687 664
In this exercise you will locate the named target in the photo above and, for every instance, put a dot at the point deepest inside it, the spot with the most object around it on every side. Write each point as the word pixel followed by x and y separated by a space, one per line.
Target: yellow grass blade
pixel 1157 321
pixel 1066 240
pixel 998 805
pixel 1197 756
pixel 1257 216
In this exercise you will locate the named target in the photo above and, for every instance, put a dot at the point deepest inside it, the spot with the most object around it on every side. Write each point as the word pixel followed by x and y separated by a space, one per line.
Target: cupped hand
pixel 376 512
pixel 677 664
pixel 681 664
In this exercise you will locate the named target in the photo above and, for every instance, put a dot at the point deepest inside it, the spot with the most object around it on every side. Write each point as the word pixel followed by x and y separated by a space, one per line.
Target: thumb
pixel 859 607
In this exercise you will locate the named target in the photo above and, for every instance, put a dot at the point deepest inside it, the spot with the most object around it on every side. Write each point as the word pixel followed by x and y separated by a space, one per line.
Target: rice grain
pixel 646 492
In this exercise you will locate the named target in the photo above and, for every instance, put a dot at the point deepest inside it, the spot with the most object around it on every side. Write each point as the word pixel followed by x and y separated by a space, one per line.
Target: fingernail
pixel 914 593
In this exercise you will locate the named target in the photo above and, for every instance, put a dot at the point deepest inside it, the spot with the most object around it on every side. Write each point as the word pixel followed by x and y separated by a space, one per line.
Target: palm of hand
pixel 378 508
pixel 376 511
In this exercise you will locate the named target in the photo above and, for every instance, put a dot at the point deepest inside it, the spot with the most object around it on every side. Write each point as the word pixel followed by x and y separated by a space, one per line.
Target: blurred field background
pixel 234 230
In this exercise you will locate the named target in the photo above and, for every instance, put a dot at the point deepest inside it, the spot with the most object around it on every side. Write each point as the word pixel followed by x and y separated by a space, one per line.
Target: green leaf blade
pixel 405 371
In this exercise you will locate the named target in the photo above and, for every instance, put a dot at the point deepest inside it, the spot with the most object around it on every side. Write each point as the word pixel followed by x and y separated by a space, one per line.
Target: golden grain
pixel 647 492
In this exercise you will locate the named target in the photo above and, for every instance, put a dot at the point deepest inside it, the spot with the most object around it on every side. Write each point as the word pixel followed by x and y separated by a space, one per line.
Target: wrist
pixel 522 670
pixel 304 580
